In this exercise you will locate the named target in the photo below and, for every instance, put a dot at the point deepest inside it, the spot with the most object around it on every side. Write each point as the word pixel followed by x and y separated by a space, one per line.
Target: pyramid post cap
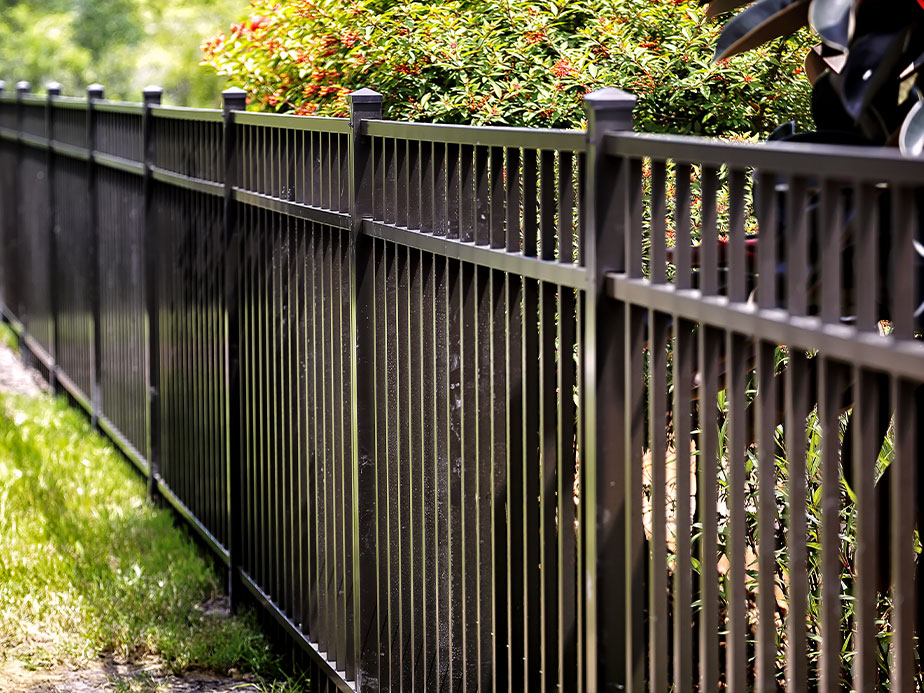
pixel 364 95
pixel 95 91
pixel 53 88
pixel 23 85
pixel 609 97
pixel 151 95
pixel 2 85
pixel 234 99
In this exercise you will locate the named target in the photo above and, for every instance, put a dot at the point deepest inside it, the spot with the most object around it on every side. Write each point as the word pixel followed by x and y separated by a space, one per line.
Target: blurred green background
pixel 122 44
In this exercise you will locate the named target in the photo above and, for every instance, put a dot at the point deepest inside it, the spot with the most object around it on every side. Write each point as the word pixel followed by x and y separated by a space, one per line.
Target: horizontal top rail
pixel 840 162
pixel 118 107
pixel 34 99
pixel 182 113
pixel 293 122
pixel 528 138
pixel 69 102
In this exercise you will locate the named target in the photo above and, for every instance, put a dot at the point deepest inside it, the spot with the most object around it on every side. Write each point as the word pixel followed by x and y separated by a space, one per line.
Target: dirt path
pixel 109 675
pixel 104 674
pixel 16 378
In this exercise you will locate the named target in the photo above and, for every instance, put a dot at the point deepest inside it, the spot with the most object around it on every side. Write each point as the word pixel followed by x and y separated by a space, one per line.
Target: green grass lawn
pixel 89 567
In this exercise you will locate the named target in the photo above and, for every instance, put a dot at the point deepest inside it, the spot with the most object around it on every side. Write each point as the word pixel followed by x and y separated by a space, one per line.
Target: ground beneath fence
pixel 147 675
pixel 122 677
pixel 16 378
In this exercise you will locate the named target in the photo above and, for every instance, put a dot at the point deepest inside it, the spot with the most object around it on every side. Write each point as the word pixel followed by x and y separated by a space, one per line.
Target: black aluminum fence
pixel 491 408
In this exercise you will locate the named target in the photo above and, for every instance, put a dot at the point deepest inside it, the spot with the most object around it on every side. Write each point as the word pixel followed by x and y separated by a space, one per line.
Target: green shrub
pixel 509 62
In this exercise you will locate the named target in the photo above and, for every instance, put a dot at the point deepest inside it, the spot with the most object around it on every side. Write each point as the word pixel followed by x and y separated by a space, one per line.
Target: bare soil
pixel 16 377
pixel 109 675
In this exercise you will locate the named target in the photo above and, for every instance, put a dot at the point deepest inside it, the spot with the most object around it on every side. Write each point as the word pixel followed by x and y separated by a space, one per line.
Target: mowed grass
pixel 88 566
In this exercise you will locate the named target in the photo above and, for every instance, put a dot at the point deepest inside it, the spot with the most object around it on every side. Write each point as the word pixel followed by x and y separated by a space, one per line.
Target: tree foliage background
pixel 516 62
pixel 122 44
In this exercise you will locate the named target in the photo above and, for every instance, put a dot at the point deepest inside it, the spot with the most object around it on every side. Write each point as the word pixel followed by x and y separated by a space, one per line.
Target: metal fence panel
pixel 783 475
pixel 123 329
pixel 494 408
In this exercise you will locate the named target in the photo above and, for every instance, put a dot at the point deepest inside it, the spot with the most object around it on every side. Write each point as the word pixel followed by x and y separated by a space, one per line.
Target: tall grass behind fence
pixel 496 408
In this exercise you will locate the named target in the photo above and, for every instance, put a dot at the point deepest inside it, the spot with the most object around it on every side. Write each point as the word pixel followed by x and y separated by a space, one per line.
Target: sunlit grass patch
pixel 89 566
pixel 8 337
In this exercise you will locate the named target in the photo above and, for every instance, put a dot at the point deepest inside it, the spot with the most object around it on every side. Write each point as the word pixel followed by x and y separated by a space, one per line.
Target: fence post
pixel 151 96
pixel 233 99
pixel 614 551
pixel 22 88
pixel 365 104
pixel 94 93
pixel 53 89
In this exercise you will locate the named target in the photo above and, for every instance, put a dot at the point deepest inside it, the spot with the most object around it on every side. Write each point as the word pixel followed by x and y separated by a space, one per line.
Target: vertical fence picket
pixel 766 452
pixel 707 501
pixel 798 383
pixel 684 352
pixel 516 597
pixel 830 385
pixel 735 385
pixel 547 425
pixel 659 663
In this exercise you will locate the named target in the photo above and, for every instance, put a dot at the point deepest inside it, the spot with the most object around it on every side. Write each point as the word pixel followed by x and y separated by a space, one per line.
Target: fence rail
pixel 494 408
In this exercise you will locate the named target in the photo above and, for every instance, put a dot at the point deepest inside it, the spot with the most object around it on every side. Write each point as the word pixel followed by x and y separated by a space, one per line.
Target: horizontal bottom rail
pixel 121 442
pixel 14 322
pixel 38 351
pixel 74 391
pixel 338 678
pixel 193 521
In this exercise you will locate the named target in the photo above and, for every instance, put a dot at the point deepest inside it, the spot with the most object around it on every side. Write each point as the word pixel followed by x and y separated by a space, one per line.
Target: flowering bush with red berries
pixel 508 62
